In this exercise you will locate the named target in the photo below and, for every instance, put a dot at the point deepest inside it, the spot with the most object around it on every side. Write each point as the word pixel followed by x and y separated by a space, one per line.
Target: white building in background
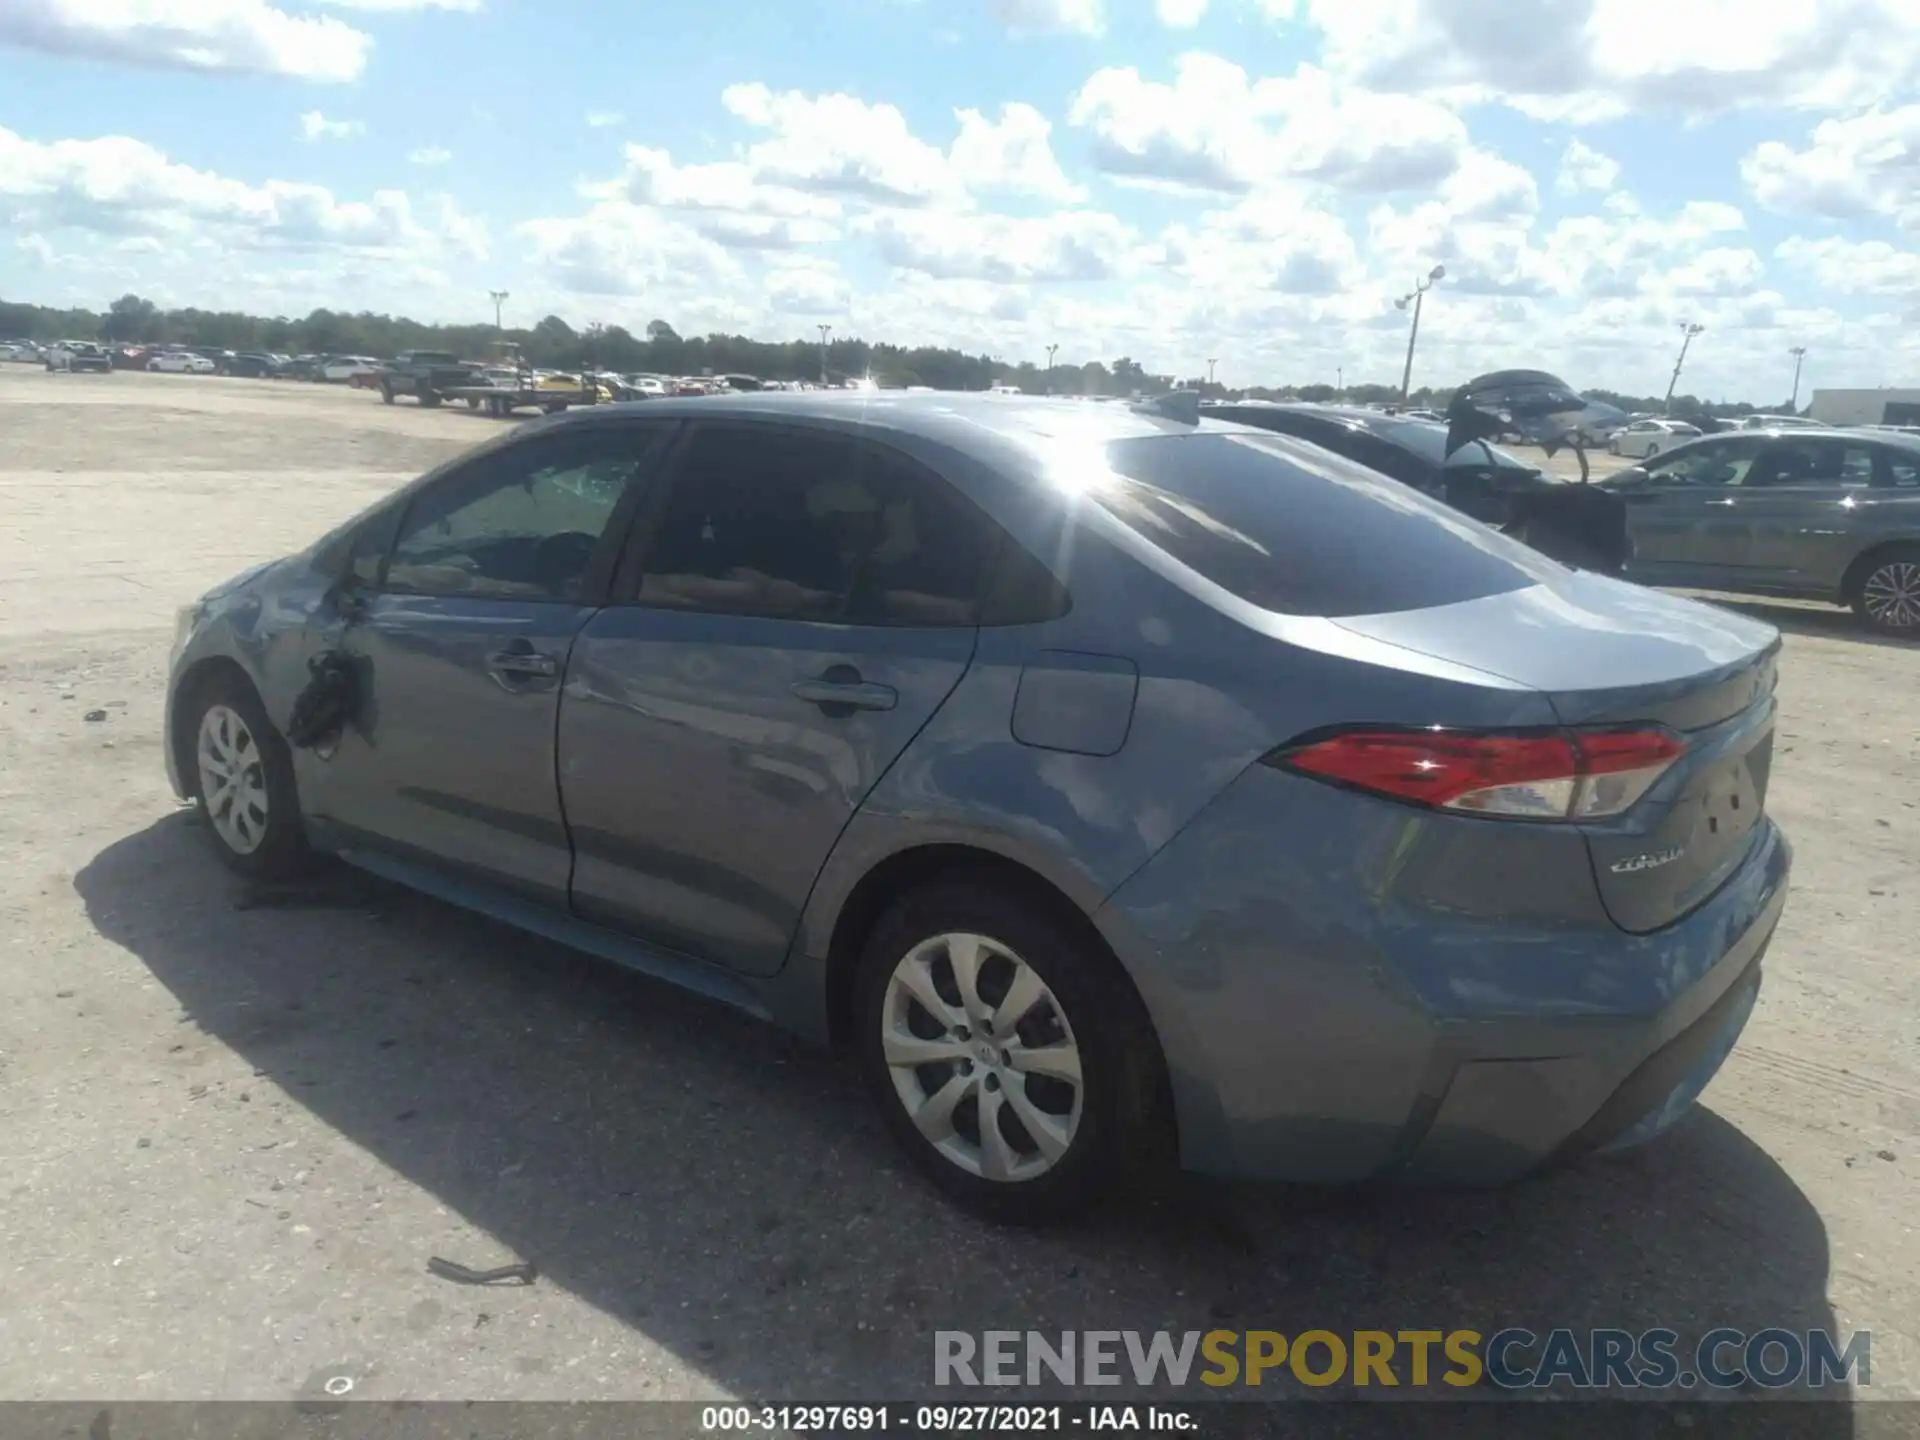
pixel 1866 407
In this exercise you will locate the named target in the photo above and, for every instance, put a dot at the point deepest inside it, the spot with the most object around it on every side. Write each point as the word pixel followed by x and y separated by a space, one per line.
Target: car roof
pixel 974 422
pixel 1894 438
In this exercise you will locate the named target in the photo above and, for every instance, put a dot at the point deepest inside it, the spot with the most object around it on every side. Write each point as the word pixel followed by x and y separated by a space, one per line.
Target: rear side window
pixel 1303 534
pixel 820 527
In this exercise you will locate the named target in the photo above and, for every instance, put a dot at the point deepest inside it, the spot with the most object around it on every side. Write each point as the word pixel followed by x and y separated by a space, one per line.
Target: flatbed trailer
pixel 503 400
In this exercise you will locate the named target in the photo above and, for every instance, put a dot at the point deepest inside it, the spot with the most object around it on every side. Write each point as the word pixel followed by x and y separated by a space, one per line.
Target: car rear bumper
pixel 1319 1027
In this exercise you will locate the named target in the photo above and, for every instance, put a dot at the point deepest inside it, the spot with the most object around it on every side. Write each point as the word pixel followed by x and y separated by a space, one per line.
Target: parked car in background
pixel 1829 515
pixel 345 369
pixel 250 365
pixel 1565 520
pixel 1649 437
pixel 79 355
pixel 1778 422
pixel 181 362
pixel 1416 855
pixel 22 352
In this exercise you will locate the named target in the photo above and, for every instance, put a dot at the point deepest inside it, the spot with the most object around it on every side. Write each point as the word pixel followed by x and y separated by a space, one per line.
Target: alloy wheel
pixel 233 779
pixel 1891 595
pixel 982 1057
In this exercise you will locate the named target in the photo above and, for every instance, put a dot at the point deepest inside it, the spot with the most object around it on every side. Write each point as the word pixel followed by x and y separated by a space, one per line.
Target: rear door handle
pixel 522 662
pixel 841 688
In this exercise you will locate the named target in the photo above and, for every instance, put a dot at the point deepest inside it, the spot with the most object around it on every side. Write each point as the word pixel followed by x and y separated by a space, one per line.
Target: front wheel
pixel 1652 450
pixel 1613 447
pixel 386 393
pixel 1888 596
pixel 243 781
pixel 1010 1059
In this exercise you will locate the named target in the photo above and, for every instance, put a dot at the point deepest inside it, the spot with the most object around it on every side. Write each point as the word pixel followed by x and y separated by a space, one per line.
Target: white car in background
pixel 346 368
pixel 181 362
pixel 1649 437
pixel 1779 422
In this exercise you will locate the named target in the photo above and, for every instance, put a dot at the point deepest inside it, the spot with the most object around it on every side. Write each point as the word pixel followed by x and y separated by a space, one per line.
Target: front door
pixel 802 605
pixel 460 648
pixel 1686 520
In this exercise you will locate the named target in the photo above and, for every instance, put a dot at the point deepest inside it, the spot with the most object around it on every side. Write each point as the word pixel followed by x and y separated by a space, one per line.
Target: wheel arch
pixel 1865 561
pixel 921 865
pixel 192 682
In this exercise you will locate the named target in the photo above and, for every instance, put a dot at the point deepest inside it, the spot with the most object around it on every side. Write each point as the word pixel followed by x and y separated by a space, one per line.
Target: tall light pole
pixel 1799 353
pixel 1687 331
pixel 1340 374
pixel 499 298
pixel 1210 365
pixel 1052 350
pixel 825 331
pixel 1413 298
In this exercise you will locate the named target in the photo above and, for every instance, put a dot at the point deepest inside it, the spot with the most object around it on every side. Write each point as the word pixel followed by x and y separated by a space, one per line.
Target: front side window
pixel 1716 462
pixel 797 526
pixel 520 524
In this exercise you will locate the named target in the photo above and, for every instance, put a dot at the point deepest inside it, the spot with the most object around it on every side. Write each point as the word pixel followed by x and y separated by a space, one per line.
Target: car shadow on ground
pixel 734 1198
pixel 1823 621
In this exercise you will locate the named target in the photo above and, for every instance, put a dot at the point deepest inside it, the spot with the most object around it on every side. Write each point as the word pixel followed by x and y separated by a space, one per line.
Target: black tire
pixel 386 393
pixel 430 398
pixel 1652 450
pixel 1886 596
pixel 1125 1125
pixel 1613 447
pixel 280 852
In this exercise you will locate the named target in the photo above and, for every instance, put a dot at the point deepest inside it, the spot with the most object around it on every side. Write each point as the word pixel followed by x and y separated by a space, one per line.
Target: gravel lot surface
pixel 234 1136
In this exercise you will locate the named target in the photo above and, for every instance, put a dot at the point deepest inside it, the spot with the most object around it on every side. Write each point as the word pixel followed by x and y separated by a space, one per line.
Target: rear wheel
pixel 243 780
pixel 1019 1072
pixel 386 393
pixel 1613 447
pixel 430 398
pixel 1887 596
pixel 1652 450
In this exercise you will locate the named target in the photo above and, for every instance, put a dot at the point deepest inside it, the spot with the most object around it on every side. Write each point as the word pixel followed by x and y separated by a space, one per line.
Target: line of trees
pixel 133 320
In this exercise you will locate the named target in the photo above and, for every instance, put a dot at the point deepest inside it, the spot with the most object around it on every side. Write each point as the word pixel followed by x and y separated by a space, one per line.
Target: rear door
pixel 799 604
pixel 1805 506
pixel 461 643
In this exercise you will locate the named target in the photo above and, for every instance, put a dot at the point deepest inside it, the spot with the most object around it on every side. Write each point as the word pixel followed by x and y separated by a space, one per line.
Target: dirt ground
pixel 234 1136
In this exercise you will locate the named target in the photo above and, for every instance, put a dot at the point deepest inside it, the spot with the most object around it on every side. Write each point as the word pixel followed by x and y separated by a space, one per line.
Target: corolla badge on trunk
pixel 1652 860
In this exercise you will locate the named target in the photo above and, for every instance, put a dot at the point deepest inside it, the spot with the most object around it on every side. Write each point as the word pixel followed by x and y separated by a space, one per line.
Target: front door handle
pixel 522 662
pixel 842 690
pixel 1726 504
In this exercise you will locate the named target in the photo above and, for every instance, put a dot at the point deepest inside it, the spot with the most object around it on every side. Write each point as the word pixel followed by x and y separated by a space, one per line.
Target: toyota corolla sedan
pixel 1112 786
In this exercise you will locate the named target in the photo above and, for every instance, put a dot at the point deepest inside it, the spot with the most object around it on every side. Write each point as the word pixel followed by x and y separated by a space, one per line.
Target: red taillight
pixel 1563 775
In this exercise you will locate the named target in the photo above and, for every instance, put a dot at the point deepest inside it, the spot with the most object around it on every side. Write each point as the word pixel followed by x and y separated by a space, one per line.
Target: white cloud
pixel 1864 165
pixel 247 36
pixel 1180 14
pixel 1043 17
pixel 1594 59
pixel 1584 168
pixel 839 145
pixel 603 119
pixel 391 6
pixel 1871 267
pixel 1013 154
pixel 618 248
pixel 1069 245
pixel 1213 129
pixel 1277 241
pixel 429 155
pixel 316 126
pixel 843 147
pixel 120 187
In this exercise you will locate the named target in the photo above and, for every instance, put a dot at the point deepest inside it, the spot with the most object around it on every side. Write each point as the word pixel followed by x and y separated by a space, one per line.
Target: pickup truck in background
pixel 426 375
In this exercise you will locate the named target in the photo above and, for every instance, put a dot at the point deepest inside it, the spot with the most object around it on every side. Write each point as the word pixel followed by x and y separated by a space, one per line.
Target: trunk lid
pixel 1608 653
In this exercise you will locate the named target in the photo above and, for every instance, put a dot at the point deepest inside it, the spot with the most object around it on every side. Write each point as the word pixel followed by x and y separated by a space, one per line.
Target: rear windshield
pixel 1296 530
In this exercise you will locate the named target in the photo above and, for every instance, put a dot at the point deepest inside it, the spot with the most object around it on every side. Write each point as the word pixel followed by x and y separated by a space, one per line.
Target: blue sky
pixel 1253 181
